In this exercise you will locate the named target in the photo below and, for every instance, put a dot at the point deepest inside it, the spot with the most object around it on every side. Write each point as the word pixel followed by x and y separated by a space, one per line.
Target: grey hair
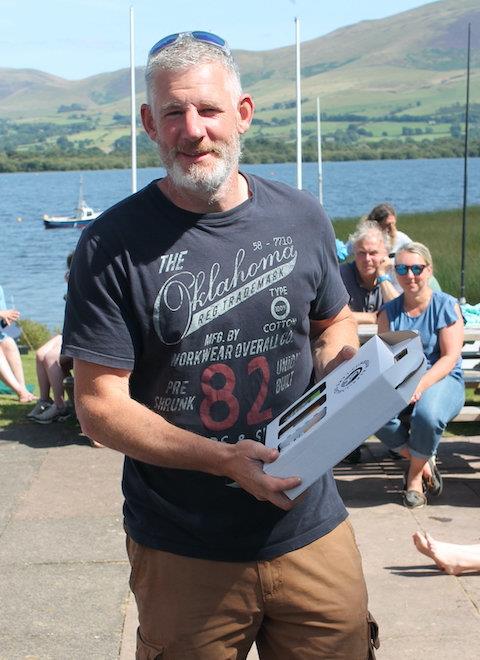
pixel 416 248
pixel 186 52
pixel 365 229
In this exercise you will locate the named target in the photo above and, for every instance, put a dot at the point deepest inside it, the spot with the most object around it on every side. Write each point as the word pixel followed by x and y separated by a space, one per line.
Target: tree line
pixel 66 155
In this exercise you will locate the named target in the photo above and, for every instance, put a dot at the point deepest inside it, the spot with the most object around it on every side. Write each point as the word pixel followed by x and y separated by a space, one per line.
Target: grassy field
pixel 12 412
pixel 441 231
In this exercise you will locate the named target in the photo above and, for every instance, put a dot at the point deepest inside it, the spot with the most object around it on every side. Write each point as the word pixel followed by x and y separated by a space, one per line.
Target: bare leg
pixel 11 352
pixel 54 370
pixel 44 383
pixel 42 376
pixel 418 468
pixel 415 473
pixel 452 558
pixel 8 377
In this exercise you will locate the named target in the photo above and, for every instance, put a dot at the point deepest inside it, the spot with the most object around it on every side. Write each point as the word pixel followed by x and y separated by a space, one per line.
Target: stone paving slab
pixel 420 610
pixel 64 587
pixel 63 610
pixel 63 541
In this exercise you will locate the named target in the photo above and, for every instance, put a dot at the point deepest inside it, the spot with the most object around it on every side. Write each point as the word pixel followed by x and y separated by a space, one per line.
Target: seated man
pixel 367 278
pixel 367 282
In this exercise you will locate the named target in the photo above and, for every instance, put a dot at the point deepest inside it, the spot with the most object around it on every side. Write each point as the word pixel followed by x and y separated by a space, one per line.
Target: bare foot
pixel 26 397
pixel 452 558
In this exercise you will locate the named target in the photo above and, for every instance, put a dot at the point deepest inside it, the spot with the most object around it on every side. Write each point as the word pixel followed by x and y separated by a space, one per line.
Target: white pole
pixel 319 151
pixel 299 107
pixel 133 116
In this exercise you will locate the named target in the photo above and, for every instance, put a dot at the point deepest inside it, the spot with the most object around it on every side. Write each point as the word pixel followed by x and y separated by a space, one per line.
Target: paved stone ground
pixel 64 586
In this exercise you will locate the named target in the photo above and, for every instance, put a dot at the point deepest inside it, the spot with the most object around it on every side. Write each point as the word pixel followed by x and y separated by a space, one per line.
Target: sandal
pixel 405 481
pixel 433 485
pixel 412 499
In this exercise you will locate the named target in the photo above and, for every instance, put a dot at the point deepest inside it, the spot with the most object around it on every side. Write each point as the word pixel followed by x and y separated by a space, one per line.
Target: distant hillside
pixel 411 64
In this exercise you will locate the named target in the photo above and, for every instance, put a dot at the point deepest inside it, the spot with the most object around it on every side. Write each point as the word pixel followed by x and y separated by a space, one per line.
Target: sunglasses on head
pixel 417 269
pixel 204 37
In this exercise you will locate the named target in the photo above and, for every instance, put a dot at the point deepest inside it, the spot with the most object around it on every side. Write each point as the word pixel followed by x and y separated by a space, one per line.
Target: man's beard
pixel 206 181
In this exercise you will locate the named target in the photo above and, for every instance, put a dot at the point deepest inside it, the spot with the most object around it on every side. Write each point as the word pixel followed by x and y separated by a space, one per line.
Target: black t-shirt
pixel 210 313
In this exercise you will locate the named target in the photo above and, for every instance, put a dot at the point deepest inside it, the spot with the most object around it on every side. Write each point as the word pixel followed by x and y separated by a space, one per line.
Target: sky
pixel 75 39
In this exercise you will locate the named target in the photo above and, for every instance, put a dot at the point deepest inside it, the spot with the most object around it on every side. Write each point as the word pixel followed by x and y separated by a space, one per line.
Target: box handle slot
pixel 311 417
pixel 310 397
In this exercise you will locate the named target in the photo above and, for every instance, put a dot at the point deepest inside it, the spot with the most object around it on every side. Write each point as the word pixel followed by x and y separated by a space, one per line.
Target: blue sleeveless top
pixel 439 314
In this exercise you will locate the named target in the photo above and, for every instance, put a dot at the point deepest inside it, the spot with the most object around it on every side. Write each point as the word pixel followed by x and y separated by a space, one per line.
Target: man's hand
pixel 384 266
pixel 245 467
pixel 345 353
pixel 416 395
pixel 334 340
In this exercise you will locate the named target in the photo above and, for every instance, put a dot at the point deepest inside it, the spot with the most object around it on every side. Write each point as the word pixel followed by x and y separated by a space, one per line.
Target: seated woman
pixel 11 369
pixel 440 394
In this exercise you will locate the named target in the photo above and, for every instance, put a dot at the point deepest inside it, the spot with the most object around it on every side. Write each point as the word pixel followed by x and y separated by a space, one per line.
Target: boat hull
pixel 65 223
pixel 84 216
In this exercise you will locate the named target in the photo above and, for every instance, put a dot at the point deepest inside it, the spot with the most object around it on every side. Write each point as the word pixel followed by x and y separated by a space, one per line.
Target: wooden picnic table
pixel 470 364
pixel 367 330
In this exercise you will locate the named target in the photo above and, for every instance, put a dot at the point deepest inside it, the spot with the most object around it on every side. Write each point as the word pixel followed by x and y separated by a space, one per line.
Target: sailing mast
pixel 462 298
pixel 133 120
pixel 299 106
pixel 81 201
pixel 319 154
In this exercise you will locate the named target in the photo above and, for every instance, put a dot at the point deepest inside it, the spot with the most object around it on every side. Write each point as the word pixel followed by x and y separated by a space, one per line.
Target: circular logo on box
pixel 352 377
pixel 280 308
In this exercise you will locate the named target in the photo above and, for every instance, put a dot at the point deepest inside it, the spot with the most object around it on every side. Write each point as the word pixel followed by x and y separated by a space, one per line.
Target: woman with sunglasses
pixel 440 395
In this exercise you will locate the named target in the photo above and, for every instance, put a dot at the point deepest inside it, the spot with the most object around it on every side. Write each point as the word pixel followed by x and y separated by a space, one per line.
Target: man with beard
pixel 190 311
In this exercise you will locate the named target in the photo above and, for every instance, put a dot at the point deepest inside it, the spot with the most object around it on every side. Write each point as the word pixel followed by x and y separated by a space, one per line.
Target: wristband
pixel 383 278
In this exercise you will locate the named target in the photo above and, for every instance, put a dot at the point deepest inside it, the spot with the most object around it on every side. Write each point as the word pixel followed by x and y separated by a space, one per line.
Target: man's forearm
pixel 113 419
pixel 389 292
pixel 125 425
pixel 365 317
pixel 327 346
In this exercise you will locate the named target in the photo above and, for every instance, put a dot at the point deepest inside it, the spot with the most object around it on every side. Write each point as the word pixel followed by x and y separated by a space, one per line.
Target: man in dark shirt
pixel 190 311
pixel 368 279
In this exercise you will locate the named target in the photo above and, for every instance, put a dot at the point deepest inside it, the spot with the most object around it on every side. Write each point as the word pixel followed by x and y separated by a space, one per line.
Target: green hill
pixel 402 76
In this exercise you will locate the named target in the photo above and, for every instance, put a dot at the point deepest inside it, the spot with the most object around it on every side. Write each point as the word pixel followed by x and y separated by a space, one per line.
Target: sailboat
pixel 83 214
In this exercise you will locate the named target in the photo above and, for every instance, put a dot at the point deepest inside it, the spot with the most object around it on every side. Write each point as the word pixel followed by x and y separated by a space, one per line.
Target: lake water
pixel 32 259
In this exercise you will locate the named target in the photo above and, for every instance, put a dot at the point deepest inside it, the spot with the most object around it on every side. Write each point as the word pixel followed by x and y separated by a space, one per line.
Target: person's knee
pixel 9 344
pixel 426 420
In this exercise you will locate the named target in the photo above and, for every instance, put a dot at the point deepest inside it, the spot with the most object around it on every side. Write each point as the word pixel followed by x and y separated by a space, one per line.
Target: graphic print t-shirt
pixel 211 314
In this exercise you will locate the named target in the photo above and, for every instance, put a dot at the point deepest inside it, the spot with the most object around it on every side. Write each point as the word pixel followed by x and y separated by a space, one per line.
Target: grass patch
pixel 13 412
pixel 441 231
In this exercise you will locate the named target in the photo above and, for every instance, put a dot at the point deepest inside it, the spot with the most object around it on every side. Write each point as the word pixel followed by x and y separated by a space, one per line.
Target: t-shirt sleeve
pixel 446 314
pixel 332 295
pixel 99 325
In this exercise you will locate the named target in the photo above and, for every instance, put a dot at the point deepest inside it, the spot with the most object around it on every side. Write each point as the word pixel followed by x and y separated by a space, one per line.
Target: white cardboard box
pixel 336 415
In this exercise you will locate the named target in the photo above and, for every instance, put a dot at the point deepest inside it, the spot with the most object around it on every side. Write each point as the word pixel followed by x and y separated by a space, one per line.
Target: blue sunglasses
pixel 204 37
pixel 417 269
